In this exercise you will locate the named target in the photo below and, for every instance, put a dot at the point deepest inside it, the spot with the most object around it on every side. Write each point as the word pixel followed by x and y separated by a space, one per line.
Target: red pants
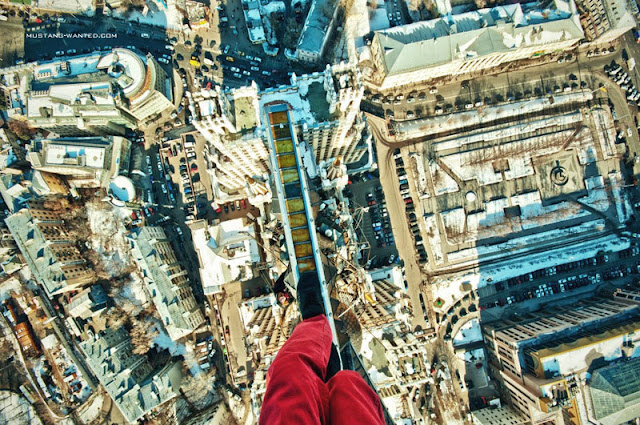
pixel 296 391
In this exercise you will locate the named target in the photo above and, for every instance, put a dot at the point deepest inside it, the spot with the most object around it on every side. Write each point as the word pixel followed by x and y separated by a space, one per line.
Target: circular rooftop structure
pixel 129 70
pixel 559 175
pixel 122 189
pixel 470 196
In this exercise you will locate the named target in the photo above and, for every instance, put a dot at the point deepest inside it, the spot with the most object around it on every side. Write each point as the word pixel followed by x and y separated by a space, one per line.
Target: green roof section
pixel 615 392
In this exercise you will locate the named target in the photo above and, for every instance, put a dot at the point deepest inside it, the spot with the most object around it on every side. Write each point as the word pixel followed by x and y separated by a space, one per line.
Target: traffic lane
pixel 404 242
pixel 257 69
pixel 45 48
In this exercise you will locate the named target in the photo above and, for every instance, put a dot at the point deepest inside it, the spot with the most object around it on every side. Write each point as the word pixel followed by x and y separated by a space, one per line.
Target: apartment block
pixel 49 249
pixel 317 31
pixel 132 383
pixel 166 280
pixel 83 161
pixel 227 252
pixel 539 359
pixel 605 20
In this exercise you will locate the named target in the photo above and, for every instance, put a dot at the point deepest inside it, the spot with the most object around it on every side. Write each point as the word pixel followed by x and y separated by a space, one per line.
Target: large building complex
pixel 97 93
pixel 166 281
pixel 540 358
pixel 472 42
pixel 479 200
pixel 49 249
pixel 130 380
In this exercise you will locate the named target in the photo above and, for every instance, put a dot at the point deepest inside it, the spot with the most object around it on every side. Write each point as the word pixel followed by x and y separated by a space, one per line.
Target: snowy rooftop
pixel 307 97
pixel 567 356
pixel 473 216
pixel 316 26
pixel 227 251
pixel 121 66
pixel 91 156
pixel 477 33
pixel 91 80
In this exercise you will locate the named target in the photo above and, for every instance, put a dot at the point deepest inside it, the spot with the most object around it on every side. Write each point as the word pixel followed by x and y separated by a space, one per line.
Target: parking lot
pixel 563 282
pixel 564 73
pixel 366 193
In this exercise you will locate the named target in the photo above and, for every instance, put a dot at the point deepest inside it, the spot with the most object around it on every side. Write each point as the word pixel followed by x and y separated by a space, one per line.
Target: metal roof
pixel 474 34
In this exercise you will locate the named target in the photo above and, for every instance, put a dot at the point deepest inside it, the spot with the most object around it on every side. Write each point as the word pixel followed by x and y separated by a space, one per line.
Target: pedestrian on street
pixel 305 385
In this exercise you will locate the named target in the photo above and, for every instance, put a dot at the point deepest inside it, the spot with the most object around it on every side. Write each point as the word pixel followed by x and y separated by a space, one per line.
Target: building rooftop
pixel 227 252
pixel 167 281
pixel 474 34
pixel 316 25
pixel 615 392
pixel 50 252
pixel 472 215
pixel 129 379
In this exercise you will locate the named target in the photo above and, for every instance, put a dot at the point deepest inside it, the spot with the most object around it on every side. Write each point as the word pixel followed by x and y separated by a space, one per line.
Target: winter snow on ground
pixel 468 333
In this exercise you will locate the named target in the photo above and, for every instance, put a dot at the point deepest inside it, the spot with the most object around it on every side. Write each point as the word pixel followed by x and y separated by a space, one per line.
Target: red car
pixel 243 203
pixel 134 216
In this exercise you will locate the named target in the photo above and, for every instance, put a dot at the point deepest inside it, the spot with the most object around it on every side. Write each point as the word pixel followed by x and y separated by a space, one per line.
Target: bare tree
pixel 116 318
pixel 142 335
pixel 21 128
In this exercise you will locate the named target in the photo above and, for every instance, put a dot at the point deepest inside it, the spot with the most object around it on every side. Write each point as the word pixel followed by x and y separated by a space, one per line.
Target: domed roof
pixel 122 188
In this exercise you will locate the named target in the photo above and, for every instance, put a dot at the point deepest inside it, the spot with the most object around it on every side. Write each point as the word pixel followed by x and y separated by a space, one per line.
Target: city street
pixel 404 240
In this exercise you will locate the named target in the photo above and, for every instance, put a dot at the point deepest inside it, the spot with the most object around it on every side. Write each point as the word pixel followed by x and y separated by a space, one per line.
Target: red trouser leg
pixel 352 401
pixel 296 392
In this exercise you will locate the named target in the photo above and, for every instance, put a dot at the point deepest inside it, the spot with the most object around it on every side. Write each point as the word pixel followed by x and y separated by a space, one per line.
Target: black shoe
pixel 309 296
pixel 334 363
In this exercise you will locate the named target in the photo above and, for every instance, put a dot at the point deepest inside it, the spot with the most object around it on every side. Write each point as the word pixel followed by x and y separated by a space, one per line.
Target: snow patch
pixel 468 333
pixel 163 341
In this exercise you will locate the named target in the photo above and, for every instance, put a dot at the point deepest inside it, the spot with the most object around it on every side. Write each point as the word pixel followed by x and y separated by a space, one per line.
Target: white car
pixel 245 72
pixel 163 60
pixel 255 68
